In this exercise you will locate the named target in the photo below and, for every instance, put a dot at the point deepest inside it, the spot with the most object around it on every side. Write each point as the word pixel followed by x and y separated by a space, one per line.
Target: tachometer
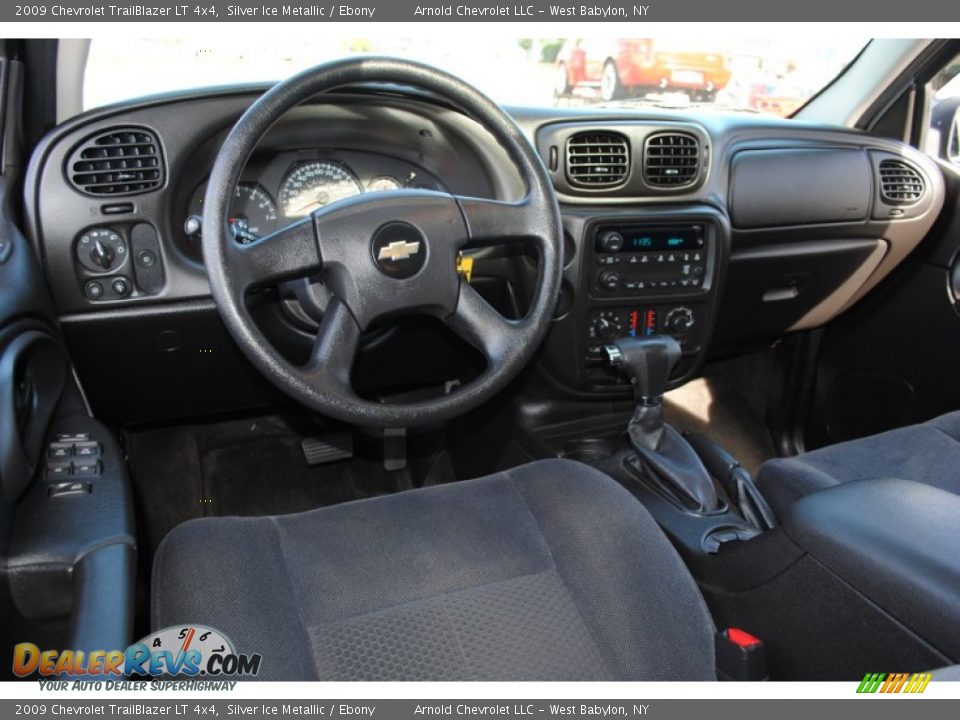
pixel 315 184
pixel 253 213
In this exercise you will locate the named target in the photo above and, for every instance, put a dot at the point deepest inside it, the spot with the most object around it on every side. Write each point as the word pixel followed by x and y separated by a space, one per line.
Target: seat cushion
pixel 550 571
pixel 928 453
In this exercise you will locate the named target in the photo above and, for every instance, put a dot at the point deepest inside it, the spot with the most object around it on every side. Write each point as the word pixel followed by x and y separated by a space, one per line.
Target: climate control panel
pixel 681 321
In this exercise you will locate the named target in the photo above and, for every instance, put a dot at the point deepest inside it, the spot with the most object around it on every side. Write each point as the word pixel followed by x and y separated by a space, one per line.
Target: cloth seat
pixel 550 571
pixel 927 453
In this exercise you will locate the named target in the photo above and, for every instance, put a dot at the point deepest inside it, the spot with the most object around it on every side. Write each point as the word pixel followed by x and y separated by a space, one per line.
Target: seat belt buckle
pixel 741 657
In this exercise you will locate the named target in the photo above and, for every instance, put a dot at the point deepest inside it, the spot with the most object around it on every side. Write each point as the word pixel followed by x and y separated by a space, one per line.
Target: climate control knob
pixel 679 320
pixel 606 326
pixel 611 241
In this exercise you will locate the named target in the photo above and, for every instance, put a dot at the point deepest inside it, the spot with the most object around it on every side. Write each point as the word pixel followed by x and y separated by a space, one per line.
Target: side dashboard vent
pixel 900 183
pixel 671 160
pixel 597 159
pixel 120 161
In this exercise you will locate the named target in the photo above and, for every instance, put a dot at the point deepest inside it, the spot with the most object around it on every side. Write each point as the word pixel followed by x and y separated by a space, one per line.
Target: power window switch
pixel 58 469
pixel 73 487
pixel 86 468
pixel 73 437
pixel 86 449
pixel 60 450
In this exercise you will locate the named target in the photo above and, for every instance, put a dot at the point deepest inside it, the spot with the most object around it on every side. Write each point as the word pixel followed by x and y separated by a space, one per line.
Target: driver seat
pixel 549 571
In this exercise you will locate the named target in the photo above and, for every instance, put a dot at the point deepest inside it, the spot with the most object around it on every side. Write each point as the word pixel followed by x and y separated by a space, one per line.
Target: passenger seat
pixel 928 453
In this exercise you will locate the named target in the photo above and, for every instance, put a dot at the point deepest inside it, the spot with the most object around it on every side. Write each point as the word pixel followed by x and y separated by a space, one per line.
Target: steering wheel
pixel 383 254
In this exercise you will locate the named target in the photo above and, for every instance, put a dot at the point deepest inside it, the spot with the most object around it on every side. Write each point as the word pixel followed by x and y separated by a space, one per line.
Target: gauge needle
pixel 303 208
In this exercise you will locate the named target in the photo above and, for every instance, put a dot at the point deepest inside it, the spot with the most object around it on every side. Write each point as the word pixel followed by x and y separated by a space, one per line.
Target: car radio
pixel 645 259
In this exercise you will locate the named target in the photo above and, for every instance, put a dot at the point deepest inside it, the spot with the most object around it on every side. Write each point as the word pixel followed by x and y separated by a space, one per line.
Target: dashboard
pixel 724 231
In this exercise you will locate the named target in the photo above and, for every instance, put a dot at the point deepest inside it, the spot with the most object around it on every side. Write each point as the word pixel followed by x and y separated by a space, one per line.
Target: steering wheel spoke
pixel 479 323
pixel 496 221
pixel 289 252
pixel 334 349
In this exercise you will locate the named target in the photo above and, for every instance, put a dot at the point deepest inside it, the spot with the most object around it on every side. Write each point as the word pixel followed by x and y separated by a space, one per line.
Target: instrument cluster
pixel 278 190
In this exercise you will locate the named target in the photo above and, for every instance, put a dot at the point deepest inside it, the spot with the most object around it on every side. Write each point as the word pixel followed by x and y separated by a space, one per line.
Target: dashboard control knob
pixel 101 250
pixel 606 326
pixel 610 280
pixel 120 286
pixel 611 241
pixel 193 225
pixel 146 259
pixel 102 254
pixel 93 290
pixel 679 320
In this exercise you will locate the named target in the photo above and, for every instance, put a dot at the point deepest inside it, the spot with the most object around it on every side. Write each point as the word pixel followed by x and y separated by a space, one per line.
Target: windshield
pixel 768 75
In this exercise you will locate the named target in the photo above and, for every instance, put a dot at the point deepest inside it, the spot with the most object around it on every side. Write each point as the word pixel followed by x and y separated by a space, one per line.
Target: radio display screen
pixel 661 239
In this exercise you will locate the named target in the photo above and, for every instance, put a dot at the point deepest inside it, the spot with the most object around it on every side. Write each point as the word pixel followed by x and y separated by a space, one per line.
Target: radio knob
pixel 611 241
pixel 610 280
pixel 679 320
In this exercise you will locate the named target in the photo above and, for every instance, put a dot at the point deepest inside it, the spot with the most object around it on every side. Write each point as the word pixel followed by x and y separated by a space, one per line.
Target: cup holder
pixel 722 535
pixel 586 451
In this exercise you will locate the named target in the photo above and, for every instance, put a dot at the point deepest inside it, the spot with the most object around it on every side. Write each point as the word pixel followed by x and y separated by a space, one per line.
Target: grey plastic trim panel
pixel 794 186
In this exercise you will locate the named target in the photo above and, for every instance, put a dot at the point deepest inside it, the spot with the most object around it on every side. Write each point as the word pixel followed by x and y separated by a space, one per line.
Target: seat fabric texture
pixel 550 571
pixel 927 453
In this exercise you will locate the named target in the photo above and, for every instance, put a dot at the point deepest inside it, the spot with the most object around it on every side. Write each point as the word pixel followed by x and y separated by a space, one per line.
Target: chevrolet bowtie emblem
pixel 399 250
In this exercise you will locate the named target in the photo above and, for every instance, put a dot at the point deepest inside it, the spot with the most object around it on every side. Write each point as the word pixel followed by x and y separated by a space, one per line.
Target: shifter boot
pixel 664 453
pixel 673 463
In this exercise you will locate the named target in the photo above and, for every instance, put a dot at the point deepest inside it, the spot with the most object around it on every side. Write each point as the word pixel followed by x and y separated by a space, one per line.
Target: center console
pixel 655 275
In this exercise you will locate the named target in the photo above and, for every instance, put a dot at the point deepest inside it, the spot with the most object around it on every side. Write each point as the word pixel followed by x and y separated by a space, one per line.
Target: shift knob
pixel 647 361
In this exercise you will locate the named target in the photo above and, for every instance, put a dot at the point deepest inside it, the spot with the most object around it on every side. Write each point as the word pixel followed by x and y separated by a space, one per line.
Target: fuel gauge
pixel 383 183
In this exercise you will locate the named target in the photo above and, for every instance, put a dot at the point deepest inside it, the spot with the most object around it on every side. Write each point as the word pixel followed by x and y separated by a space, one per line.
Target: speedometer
pixel 315 184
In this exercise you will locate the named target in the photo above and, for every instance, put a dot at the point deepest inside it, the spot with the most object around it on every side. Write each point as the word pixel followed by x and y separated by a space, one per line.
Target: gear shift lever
pixel 648 362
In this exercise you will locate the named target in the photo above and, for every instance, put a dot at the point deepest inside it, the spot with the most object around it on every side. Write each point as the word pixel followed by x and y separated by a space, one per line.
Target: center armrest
pixel 895 541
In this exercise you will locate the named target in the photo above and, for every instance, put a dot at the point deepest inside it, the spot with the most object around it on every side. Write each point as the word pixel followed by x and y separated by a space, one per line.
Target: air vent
pixel 900 183
pixel 671 160
pixel 121 161
pixel 597 159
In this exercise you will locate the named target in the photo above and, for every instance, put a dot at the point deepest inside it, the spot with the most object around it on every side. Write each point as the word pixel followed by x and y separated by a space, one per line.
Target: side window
pixel 943 136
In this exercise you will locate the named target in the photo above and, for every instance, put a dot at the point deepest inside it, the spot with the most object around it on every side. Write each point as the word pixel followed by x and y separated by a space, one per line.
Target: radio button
pixel 611 242
pixel 610 280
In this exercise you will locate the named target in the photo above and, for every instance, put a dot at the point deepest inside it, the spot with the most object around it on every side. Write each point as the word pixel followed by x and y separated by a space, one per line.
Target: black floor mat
pixel 271 477
pixel 256 466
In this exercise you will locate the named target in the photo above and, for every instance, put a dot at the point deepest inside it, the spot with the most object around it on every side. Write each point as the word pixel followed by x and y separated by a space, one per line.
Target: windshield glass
pixel 769 75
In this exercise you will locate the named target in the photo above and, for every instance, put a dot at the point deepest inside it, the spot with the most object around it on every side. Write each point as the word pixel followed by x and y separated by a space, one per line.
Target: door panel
pixel 67 558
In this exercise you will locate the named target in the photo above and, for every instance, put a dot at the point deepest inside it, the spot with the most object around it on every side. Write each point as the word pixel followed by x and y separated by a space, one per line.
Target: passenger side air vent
pixel 121 161
pixel 671 160
pixel 900 183
pixel 597 159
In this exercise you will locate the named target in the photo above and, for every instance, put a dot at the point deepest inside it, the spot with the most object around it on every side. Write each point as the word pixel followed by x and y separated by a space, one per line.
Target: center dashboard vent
pixel 900 183
pixel 671 159
pixel 119 161
pixel 597 159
